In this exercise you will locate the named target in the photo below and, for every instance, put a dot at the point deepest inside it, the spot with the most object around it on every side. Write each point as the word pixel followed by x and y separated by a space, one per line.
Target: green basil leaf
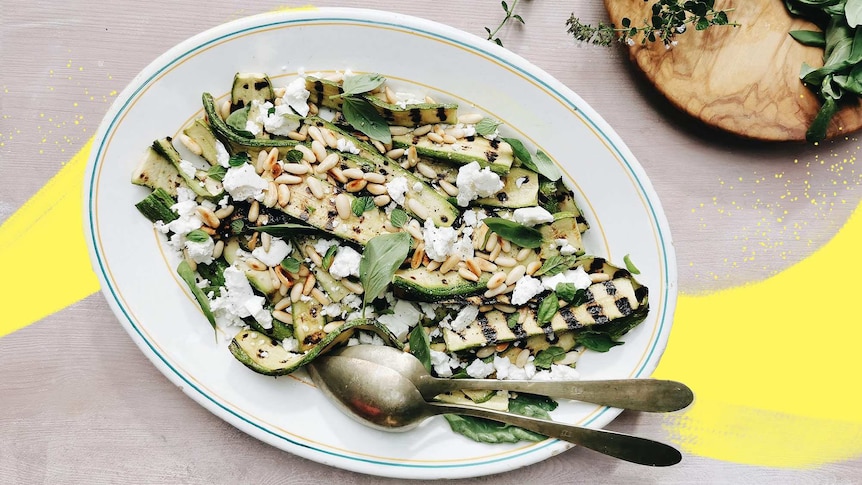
pixel 398 217
pixel 555 265
pixel 420 346
pixel 546 357
pixel 217 172
pixel 238 120
pixel 486 431
pixel 293 156
pixel 521 153
pixel 599 342
pixel 328 257
pixel 572 294
pixel 383 256
pixel 239 159
pixel 362 204
pixel 361 115
pixel 361 83
pixel 512 321
pixel 546 166
pixel 810 38
pixel 291 265
pixel 630 266
pixel 486 126
pixel 547 309
pixel 197 236
pixel 526 237
pixel 287 229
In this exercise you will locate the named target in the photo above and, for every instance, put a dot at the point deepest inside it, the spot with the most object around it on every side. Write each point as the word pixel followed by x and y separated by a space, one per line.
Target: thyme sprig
pixel 510 15
pixel 669 18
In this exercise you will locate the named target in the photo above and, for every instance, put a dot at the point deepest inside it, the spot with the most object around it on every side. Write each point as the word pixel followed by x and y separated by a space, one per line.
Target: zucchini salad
pixel 334 210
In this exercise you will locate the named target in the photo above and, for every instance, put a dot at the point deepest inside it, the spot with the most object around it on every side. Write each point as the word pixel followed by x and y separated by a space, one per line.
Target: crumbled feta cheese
pixel 474 182
pixel 201 252
pixel 345 263
pixel 347 146
pixel 282 121
pixel 418 186
pixel 507 370
pixel 480 370
pixel 465 317
pixel 494 135
pixel 403 99
pixel 397 188
pixel 332 310
pixel 525 288
pixel 187 168
pixel 278 250
pixel 404 316
pixel 443 363
pixel 368 338
pixel 530 216
pixel 438 240
pixel 323 245
pixel 290 344
pixel 352 300
pixel 558 373
pixel 243 183
pixel 188 220
pixel 429 309
pixel 469 131
pixel 253 127
pixel 568 250
pixel 577 277
pixel 237 301
pixel 296 96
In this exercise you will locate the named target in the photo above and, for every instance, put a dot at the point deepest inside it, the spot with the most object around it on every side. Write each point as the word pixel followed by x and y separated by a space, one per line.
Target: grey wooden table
pixel 80 404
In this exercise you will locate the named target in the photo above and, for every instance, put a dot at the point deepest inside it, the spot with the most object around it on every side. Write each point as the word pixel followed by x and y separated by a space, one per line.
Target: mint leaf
pixel 398 217
pixel 486 126
pixel 362 204
pixel 361 115
pixel 291 265
pixel 512 321
pixel 361 83
pixel 239 159
pixel 546 357
pixel 555 265
pixel 197 236
pixel 217 172
pixel 293 156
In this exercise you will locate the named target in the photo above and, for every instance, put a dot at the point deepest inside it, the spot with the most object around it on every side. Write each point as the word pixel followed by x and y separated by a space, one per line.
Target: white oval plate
pixel 138 278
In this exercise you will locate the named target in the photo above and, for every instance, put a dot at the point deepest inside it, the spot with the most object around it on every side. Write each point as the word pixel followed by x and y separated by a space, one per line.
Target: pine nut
pixel 523 253
pixel 265 241
pixel 418 254
pixel 343 206
pixel 270 195
pixel 435 137
pixel 224 111
pixel 190 144
pixel 467 274
pixel 320 296
pixel 328 138
pixel 253 211
pixel 412 156
pixel 433 265
pixel 486 308
pixel 522 358
pixel 276 283
pixel 485 352
pixel 450 263
pixel 225 211
pixel 414 231
pixel 208 216
pixel 499 290
pixel 283 316
pixel 382 200
pixel 316 135
pixel 313 256
pixel 505 245
pixel 422 130
pixel 296 292
pixel 479 236
pixel 312 109
pixel 255 264
pixel 283 195
pixel 492 243
pixel 517 273
pixel 395 153
pixel 376 189
pixel 303 270
pixel 259 165
pixel 353 286
pixel 208 230
pixel 218 249
pixel 484 264
pixel 279 92
pixel 570 358
pixel 327 163
pixel 355 185
pixel 288 179
pixel 496 253
pixel 449 188
pixel 455 132
pixel 315 186
pixel 282 304
pixel 332 326
pixel 501 346
pixel 252 242
pixel 426 170
pixel 319 150
pixel 470 118
pixel 279 272
pixel 374 178
pixel 308 285
pixel 449 139
pixel 295 168
pixel 379 146
pixel 473 266
pixel 599 277
pixel 533 267
pixel 270 160
pixel 390 95
pixel 429 100
pixel 353 173
pixel 418 209
pixel 307 154
pixel 497 279
pixel 338 175
pixel 505 308
pixel 398 130
pixel 293 135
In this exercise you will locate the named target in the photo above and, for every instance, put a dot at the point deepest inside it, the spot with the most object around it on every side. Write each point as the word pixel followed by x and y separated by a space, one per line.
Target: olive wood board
pixel 744 79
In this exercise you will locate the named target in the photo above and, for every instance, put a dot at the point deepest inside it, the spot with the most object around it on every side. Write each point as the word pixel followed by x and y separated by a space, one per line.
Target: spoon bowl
pixel 383 398
pixel 651 395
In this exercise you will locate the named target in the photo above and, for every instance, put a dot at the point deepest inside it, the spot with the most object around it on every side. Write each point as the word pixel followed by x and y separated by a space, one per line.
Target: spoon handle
pixel 630 448
pixel 651 395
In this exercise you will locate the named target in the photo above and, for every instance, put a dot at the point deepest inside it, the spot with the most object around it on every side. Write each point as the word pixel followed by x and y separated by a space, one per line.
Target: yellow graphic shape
pixel 773 363
pixel 46 266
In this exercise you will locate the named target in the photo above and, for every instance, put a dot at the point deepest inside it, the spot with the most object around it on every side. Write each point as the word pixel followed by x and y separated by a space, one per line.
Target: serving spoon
pixel 651 395
pixel 382 398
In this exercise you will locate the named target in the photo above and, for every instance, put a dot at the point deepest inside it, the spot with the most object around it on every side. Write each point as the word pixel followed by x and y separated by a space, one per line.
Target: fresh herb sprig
pixel 358 111
pixel 509 16
pixel 383 256
pixel 668 19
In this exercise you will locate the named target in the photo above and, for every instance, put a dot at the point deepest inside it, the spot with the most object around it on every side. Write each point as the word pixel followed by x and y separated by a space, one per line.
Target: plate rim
pixel 405 23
